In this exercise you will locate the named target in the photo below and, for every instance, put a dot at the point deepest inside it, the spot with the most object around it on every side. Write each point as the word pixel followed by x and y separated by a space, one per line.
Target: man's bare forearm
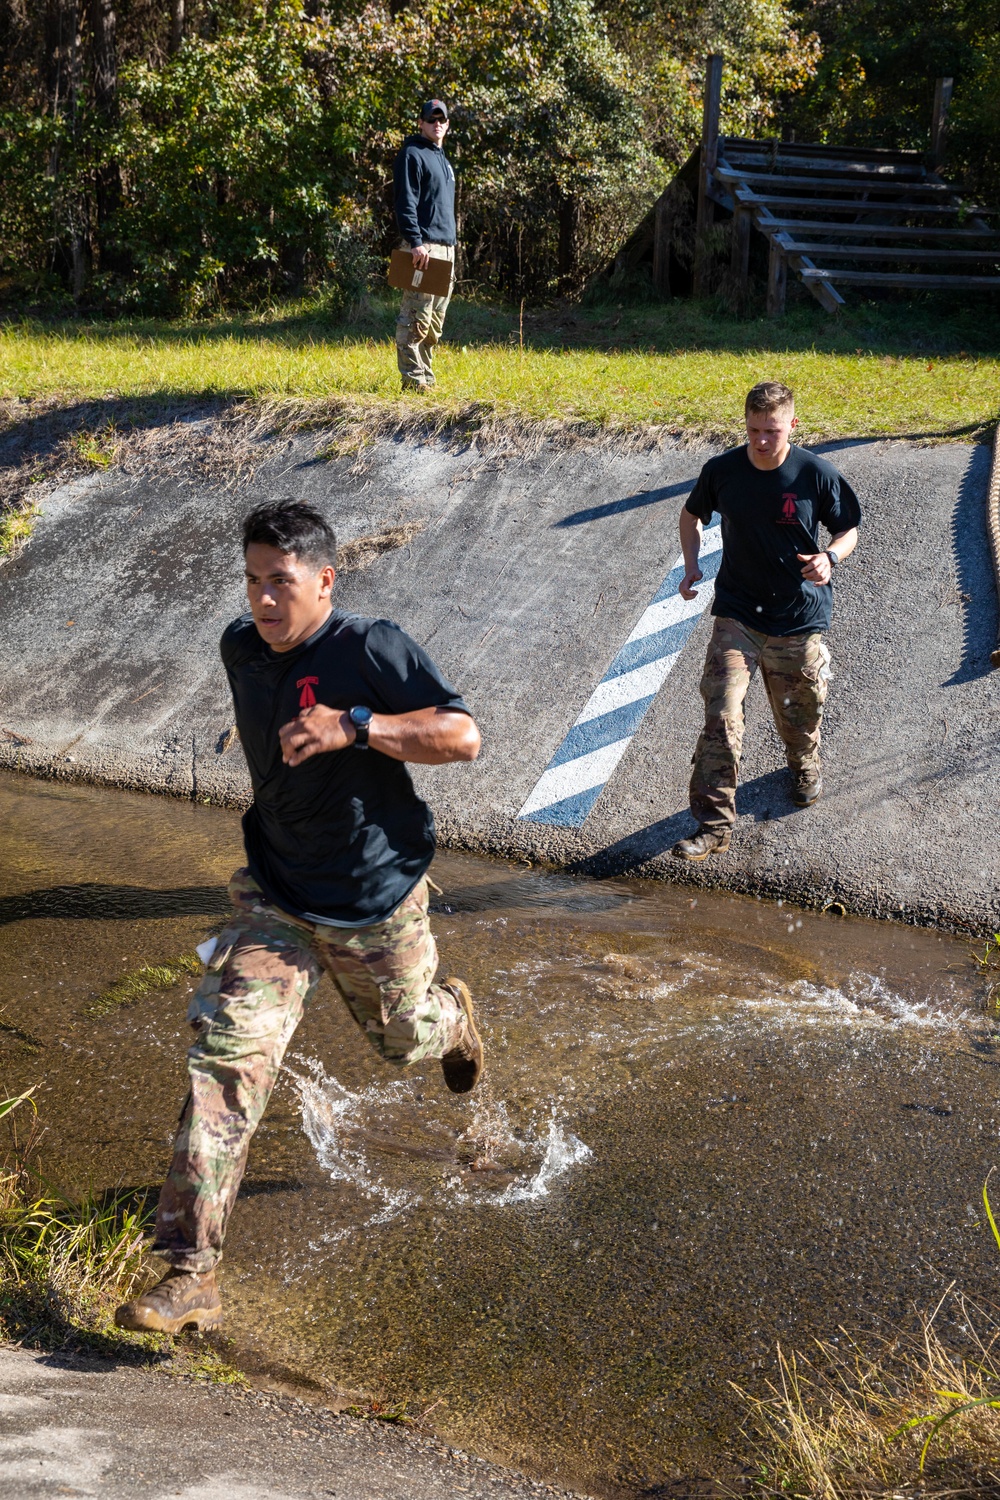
pixel 691 530
pixel 427 737
pixel 845 542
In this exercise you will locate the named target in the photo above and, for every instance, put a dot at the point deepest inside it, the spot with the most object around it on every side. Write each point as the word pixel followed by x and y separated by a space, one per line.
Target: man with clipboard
pixel 425 212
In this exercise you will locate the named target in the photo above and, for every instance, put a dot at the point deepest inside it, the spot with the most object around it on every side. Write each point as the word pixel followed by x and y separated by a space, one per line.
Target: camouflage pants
pixel 795 669
pixel 257 984
pixel 420 325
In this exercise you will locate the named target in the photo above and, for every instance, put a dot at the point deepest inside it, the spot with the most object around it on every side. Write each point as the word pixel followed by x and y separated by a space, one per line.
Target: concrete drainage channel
pixel 527 570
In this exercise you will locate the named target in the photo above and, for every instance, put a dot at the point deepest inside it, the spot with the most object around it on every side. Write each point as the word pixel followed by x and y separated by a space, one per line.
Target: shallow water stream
pixel 708 1125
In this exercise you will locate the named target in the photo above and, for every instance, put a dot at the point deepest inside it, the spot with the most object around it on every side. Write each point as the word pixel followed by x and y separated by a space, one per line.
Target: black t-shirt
pixel 768 516
pixel 342 838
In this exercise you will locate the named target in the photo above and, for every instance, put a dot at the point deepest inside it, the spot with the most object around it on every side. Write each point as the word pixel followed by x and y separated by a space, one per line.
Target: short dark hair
pixel 292 526
pixel 769 396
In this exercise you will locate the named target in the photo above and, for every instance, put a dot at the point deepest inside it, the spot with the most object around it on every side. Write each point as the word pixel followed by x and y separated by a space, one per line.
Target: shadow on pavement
pixel 630 502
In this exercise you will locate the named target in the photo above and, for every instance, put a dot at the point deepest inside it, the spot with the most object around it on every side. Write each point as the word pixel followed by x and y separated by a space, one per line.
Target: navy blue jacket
pixel 424 193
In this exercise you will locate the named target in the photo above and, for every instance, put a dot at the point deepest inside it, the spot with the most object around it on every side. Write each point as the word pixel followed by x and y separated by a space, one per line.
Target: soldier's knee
pixel 722 731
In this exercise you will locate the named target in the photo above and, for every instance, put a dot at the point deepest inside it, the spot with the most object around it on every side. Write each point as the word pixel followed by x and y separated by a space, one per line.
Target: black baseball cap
pixel 432 108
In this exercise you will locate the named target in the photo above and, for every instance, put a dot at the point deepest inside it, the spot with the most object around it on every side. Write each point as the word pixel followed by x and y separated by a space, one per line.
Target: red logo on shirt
pixel 307 698
pixel 788 516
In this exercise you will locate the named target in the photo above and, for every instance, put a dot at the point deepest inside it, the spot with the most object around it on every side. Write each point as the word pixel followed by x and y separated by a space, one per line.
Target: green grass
pixel 891 369
pixel 15 528
pixel 133 987
pixel 66 1264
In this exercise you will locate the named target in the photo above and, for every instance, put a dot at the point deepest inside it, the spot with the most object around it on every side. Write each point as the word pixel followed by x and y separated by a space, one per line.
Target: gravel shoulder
pixel 84 1427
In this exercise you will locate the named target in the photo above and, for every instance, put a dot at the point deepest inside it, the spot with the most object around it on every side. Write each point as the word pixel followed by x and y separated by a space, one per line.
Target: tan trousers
pixel 796 673
pixel 420 325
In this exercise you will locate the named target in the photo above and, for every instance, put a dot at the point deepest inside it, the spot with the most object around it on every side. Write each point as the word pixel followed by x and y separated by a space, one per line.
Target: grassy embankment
pixel 685 367
pixel 675 369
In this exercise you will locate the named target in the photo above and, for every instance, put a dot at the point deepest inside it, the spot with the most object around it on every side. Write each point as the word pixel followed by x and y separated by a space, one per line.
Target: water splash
pixel 562 1151
pixel 864 1001
pixel 327 1112
pixel 394 1147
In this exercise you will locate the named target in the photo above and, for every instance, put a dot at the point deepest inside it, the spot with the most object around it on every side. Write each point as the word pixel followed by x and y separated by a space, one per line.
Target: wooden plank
pixel 742 224
pixel 824 291
pixel 850 205
pixel 895 172
pixel 709 155
pixel 903 278
pixel 777 280
pixel 939 118
pixel 873 231
pixel 868 184
pixel 816 148
pixel 975 222
pixel 886 252
pixel 663 228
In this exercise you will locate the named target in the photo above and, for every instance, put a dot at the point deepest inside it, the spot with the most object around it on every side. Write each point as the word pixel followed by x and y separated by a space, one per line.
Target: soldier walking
pixel 424 185
pixel 338 844
pixel 773 601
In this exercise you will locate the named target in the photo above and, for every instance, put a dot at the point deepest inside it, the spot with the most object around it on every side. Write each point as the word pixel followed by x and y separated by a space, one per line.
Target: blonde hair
pixel 769 396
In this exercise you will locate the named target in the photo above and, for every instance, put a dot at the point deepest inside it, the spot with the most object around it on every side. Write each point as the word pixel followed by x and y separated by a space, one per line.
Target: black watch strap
pixel 361 718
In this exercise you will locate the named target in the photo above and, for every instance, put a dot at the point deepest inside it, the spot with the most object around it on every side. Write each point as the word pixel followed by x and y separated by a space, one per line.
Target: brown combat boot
pixel 807 786
pixel 183 1299
pixel 463 1065
pixel 703 843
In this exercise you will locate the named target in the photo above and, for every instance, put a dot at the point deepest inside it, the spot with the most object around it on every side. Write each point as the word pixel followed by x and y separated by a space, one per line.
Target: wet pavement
pixel 710 1124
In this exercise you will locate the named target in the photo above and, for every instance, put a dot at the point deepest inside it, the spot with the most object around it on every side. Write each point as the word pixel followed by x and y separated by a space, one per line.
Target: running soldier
pixel 773 601
pixel 424 185
pixel 329 707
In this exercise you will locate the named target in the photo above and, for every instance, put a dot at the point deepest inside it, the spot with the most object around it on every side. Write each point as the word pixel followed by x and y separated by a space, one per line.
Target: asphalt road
pixel 527 575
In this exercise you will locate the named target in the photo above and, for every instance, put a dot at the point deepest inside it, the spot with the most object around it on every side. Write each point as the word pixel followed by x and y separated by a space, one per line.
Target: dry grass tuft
pixel 915 1419
pixel 362 551
pixel 846 1425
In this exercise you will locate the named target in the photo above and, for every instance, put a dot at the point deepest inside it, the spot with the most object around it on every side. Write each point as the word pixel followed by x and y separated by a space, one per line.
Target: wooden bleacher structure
pixel 836 217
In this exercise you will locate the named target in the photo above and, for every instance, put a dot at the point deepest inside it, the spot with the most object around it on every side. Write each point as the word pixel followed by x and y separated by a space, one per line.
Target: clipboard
pixel 434 279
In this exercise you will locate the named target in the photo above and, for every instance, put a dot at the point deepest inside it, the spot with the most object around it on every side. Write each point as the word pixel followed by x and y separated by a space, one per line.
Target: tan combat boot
pixel 183 1299
pixel 463 1065
pixel 703 843
pixel 807 786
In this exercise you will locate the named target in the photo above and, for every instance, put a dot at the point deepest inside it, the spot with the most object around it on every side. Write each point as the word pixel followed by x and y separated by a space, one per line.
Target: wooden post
pixel 709 153
pixel 939 119
pixel 741 247
pixel 663 234
pixel 777 280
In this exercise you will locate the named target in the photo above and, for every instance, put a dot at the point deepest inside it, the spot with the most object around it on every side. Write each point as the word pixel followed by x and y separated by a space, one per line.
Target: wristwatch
pixel 361 719
pixel 834 559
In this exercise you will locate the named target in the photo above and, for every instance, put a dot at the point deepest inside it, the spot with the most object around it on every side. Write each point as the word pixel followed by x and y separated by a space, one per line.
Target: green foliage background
pixel 255 159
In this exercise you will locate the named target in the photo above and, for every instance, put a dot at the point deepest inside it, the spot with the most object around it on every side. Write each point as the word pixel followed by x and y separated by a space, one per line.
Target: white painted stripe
pixel 615 692
pixel 671 612
pixel 674 609
pixel 592 769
